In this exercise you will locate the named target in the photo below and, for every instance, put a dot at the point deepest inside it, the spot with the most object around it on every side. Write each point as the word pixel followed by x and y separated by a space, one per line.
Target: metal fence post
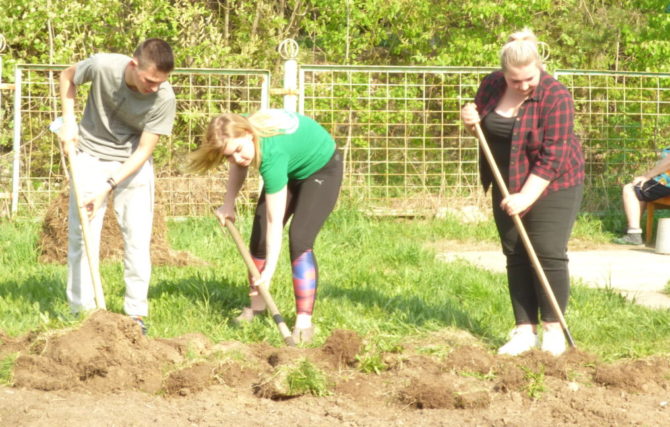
pixel 3 45
pixel 288 49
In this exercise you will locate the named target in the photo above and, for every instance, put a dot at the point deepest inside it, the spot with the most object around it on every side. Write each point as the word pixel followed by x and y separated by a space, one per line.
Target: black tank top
pixel 498 132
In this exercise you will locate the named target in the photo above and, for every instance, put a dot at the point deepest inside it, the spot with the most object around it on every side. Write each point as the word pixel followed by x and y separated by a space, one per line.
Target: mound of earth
pixel 106 372
pixel 53 237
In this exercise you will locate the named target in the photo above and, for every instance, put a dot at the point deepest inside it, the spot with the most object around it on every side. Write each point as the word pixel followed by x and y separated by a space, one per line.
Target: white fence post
pixel 288 49
pixel 17 140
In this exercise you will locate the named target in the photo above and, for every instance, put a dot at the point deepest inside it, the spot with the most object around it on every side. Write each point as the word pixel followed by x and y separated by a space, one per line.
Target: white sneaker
pixel 521 341
pixel 553 341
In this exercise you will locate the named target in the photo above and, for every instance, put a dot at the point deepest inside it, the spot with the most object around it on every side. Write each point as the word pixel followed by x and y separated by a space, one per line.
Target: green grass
pixel 596 230
pixel 305 378
pixel 536 383
pixel 6 368
pixel 378 277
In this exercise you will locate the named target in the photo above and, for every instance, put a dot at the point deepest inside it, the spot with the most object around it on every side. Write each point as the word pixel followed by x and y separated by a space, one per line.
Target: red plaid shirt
pixel 543 140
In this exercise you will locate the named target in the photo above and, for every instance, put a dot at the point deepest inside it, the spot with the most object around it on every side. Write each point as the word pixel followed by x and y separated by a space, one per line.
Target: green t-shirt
pixel 303 149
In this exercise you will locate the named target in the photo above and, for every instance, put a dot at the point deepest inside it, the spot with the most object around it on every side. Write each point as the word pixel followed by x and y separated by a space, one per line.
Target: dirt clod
pixel 343 346
pixel 429 393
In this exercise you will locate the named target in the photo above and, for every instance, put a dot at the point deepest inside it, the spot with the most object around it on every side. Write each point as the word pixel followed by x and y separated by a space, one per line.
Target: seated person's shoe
pixel 633 239
pixel 553 341
pixel 248 315
pixel 521 340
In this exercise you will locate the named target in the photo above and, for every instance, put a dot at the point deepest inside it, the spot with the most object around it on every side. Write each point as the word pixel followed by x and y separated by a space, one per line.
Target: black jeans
pixel 548 225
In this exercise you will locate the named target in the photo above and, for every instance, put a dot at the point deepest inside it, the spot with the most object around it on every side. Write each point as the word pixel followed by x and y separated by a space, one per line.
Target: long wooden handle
pixel 85 231
pixel 263 290
pixel 524 236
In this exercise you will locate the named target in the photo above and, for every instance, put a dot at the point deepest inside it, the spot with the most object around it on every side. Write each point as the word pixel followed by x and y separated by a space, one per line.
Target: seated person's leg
pixel 635 199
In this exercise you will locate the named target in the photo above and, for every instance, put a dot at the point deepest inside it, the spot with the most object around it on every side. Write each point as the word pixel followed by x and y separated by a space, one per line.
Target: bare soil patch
pixel 107 373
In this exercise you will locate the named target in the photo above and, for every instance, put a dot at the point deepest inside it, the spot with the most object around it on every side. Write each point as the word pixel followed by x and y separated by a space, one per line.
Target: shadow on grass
pixel 46 291
pixel 411 310
pixel 208 305
pixel 221 296
pixel 427 308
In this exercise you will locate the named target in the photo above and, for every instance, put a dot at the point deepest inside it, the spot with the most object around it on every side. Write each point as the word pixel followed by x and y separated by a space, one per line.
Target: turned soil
pixel 107 373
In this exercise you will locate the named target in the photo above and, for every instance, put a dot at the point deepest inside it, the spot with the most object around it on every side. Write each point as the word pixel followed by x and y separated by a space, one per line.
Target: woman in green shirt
pixel 302 174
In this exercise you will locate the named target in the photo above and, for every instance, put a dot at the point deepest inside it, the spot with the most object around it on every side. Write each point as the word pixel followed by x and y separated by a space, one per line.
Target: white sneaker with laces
pixel 553 341
pixel 521 340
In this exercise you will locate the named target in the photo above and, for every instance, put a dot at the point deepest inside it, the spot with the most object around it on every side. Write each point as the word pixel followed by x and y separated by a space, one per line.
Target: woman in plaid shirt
pixel 527 118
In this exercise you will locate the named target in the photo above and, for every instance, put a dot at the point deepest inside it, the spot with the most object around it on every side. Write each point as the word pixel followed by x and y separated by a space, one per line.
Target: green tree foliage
pixel 622 35
pixel 599 34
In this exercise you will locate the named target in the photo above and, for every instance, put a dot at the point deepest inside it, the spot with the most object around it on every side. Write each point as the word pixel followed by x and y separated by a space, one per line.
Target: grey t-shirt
pixel 115 116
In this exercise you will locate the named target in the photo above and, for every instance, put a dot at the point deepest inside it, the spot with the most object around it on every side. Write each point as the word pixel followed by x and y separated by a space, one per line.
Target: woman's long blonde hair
pixel 262 124
pixel 521 49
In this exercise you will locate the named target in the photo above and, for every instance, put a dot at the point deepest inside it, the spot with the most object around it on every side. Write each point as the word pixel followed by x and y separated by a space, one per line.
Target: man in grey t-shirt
pixel 130 105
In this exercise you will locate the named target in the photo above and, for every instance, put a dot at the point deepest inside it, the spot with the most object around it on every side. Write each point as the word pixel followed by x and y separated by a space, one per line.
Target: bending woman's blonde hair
pixel 224 127
pixel 523 48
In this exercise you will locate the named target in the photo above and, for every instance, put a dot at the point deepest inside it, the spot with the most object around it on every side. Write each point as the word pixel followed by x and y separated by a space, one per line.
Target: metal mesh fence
pixel 201 93
pixel 399 127
pixel 623 119
pixel 400 130
pixel 406 149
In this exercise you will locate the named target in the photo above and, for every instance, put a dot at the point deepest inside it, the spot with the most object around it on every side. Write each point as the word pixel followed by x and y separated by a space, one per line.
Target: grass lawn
pixel 378 277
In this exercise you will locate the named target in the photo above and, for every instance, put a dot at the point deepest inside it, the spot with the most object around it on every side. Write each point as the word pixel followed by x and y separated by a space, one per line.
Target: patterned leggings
pixel 310 201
